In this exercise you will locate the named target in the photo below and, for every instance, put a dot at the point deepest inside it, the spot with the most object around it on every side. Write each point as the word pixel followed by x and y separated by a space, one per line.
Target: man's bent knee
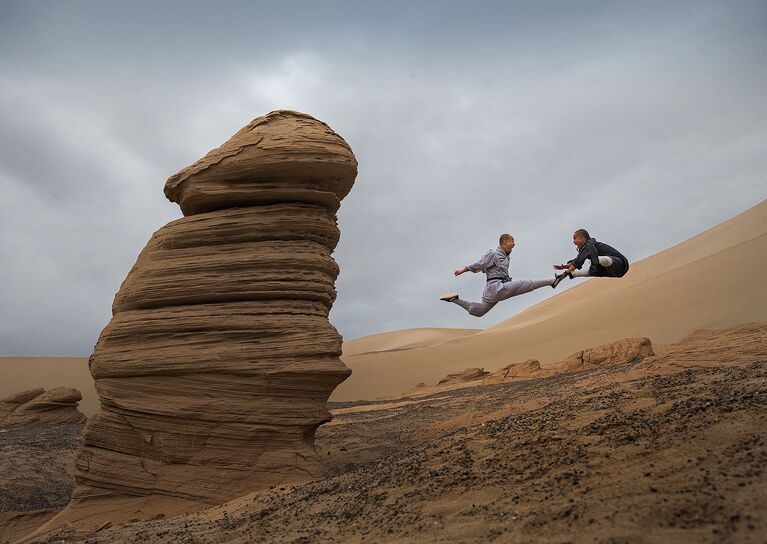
pixel 478 310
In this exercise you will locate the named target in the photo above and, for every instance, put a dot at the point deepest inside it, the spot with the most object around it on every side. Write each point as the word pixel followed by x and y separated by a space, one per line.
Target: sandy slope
pixel 404 339
pixel 708 281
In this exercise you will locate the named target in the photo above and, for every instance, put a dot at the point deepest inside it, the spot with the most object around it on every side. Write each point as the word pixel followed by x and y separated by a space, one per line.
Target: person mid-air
pixel 606 261
pixel 499 286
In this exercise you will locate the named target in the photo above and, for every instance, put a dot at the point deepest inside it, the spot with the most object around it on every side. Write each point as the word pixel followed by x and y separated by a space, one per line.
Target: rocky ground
pixel 36 464
pixel 36 474
pixel 594 456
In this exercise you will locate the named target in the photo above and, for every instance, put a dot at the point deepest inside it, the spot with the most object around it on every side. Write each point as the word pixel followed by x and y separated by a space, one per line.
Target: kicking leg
pixel 520 287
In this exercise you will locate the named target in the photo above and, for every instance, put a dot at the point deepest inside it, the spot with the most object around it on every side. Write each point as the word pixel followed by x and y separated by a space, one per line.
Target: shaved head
pixel 582 232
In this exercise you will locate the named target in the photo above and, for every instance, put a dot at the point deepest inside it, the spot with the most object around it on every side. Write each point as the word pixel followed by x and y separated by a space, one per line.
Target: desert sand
pixel 704 282
pixel 667 447
pixel 403 339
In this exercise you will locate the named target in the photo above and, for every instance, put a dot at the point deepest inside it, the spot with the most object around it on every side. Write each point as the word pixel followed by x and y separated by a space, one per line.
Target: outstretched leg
pixel 520 287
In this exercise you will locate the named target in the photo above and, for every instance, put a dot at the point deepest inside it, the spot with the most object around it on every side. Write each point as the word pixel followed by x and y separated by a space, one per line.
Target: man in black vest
pixel 606 261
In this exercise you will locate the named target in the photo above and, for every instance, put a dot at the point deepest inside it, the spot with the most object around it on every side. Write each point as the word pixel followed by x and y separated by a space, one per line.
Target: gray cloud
pixel 645 123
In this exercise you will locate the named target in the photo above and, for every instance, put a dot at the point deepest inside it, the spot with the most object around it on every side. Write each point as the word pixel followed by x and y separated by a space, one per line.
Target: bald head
pixel 506 241
pixel 580 237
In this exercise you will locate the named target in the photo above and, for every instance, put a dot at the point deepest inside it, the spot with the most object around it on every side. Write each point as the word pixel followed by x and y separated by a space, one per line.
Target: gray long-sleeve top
pixel 494 263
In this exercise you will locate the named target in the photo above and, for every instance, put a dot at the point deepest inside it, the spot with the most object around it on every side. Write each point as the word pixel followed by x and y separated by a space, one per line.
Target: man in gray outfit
pixel 499 286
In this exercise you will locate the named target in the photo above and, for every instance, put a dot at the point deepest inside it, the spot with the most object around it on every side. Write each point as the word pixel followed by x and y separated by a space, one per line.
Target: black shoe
pixel 558 278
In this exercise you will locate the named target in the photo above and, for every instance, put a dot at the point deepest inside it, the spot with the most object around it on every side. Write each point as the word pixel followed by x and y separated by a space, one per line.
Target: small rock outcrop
pixel 526 370
pixel 628 350
pixel 215 370
pixel 57 405
pixel 467 375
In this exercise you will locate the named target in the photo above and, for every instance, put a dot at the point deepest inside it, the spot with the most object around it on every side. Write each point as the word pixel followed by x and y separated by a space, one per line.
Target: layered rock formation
pixel 706 348
pixel 628 350
pixel 526 370
pixel 467 375
pixel 57 405
pixel 215 370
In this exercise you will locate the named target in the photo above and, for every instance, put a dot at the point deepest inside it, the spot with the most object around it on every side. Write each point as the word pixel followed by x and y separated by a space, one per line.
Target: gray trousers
pixel 502 292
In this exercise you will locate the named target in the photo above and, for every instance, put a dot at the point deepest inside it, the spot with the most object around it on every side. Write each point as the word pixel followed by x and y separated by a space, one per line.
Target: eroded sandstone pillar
pixel 215 370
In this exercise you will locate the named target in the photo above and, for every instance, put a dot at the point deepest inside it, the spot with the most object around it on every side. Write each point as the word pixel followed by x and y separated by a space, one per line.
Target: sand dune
pixel 404 339
pixel 709 281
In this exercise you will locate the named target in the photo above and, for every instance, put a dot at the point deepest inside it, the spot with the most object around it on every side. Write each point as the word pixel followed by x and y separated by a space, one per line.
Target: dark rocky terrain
pixel 36 474
pixel 593 456
pixel 36 464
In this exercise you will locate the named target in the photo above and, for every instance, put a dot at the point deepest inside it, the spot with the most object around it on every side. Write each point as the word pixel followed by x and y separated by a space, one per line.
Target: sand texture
pixel 36 474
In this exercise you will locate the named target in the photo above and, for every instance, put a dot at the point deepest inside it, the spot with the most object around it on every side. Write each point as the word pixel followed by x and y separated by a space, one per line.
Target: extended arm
pixel 578 262
pixel 481 265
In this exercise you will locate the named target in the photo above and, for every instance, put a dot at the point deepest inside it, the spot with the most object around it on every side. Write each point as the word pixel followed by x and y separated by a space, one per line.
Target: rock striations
pixel 215 370
pixel 628 350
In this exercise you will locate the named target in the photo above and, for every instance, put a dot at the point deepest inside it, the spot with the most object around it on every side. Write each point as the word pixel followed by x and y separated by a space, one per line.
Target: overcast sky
pixel 644 122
